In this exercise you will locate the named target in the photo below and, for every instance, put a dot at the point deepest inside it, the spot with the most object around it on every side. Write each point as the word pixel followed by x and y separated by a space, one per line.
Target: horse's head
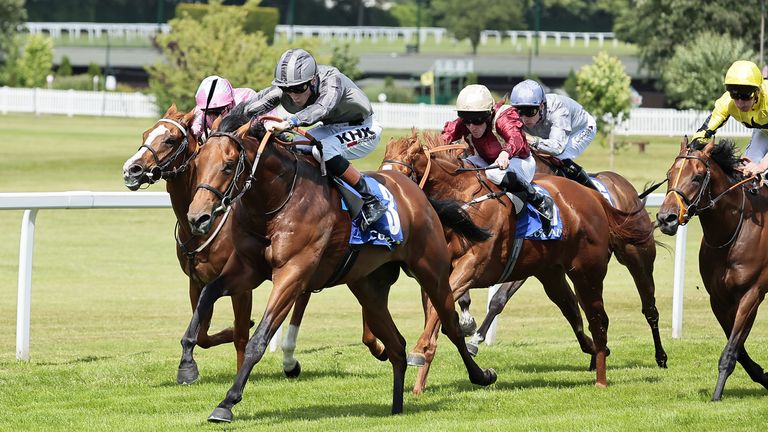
pixel 698 172
pixel 221 166
pixel 162 152
pixel 400 155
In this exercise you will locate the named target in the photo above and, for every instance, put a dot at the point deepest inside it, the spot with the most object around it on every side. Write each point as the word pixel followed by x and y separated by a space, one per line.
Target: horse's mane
pixel 724 154
pixel 234 119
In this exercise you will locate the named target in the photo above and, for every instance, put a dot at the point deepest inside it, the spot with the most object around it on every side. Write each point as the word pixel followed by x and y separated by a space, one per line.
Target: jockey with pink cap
pixel 224 98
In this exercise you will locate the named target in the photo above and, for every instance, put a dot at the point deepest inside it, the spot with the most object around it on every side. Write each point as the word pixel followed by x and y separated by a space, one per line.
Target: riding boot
pixel 543 203
pixel 575 172
pixel 373 209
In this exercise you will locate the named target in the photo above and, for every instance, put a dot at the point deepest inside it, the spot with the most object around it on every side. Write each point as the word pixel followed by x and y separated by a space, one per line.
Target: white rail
pixel 32 202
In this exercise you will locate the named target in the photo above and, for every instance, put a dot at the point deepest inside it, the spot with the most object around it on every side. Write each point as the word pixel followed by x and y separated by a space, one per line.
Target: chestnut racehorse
pixel 591 229
pixel 285 199
pixel 638 258
pixel 705 181
pixel 168 152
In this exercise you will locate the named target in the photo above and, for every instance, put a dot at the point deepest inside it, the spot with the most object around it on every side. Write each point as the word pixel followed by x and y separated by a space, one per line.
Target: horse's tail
pixel 632 227
pixel 453 216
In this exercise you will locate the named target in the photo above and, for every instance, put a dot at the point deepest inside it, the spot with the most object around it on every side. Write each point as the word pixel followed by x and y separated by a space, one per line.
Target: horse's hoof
pixel 490 376
pixel 472 348
pixel 187 375
pixel 294 372
pixel 220 415
pixel 415 359
pixel 601 385
pixel 662 362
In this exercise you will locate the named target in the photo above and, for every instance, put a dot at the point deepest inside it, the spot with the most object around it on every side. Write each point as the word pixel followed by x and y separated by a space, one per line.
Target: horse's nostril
pixel 670 218
pixel 135 169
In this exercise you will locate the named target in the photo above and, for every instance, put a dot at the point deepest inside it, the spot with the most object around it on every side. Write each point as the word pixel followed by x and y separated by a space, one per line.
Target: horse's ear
pixel 216 123
pixel 709 148
pixel 684 143
pixel 188 118
pixel 171 110
pixel 243 130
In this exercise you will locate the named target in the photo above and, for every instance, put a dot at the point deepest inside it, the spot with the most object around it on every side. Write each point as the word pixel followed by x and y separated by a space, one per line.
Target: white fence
pixel 642 121
pixel 92 31
pixel 32 202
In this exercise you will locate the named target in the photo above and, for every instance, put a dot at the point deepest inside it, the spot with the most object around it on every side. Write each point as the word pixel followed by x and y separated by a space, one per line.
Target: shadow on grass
pixel 329 411
pixel 268 376
pixel 86 359
pixel 735 393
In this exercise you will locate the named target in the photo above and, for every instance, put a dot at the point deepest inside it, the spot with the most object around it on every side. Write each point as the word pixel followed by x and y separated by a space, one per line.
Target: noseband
pixel 160 170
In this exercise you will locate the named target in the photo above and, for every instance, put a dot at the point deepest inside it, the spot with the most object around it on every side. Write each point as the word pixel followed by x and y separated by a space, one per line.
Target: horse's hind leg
pixel 742 319
pixel 466 320
pixel 498 301
pixel 373 294
pixel 589 291
pixel 639 260
pixel 291 366
pixel 242 302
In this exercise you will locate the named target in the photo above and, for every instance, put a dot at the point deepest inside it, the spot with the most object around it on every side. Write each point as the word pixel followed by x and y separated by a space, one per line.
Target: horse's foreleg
pixel 754 370
pixel 375 346
pixel 187 372
pixel 742 324
pixel 559 292
pixel 281 300
pixel 589 289
pixel 242 303
pixel 498 301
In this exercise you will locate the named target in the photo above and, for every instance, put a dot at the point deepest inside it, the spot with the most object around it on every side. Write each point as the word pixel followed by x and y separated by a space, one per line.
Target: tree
pixel 693 77
pixel 345 61
pixel 658 26
pixel 603 89
pixel 65 67
pixel 36 61
pixel 13 15
pixel 215 45
pixel 466 19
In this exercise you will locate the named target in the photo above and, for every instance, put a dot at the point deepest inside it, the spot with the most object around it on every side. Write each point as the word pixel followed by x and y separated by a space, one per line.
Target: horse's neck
pixel 720 222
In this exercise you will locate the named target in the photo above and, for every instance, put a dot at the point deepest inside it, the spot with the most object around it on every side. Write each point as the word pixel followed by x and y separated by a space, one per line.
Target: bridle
pixel 232 193
pixel 160 170
pixel 690 208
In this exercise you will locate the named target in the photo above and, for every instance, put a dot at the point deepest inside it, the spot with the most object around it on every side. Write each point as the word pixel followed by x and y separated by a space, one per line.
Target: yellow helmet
pixel 743 72
pixel 474 97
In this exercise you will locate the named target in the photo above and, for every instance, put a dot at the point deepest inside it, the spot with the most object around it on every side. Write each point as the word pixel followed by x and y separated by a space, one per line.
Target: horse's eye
pixel 698 178
pixel 169 142
pixel 228 167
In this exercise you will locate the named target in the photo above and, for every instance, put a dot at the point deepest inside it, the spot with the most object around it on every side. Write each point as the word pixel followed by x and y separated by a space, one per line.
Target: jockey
pixel 314 93
pixel 223 100
pixel 495 133
pixel 559 125
pixel 745 100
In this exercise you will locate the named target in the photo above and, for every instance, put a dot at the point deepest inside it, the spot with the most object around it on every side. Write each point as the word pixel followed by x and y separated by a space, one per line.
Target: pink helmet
pixel 223 94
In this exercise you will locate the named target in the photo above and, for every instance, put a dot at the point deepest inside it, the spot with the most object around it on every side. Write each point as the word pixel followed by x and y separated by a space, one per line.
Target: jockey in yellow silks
pixel 746 100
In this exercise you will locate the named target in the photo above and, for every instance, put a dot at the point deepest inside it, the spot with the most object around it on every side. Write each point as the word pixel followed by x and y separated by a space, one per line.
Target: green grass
pixel 110 305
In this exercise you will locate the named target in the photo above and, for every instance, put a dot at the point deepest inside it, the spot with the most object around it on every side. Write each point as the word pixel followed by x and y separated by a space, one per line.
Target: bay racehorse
pixel 591 229
pixel 290 211
pixel 168 152
pixel 637 258
pixel 705 181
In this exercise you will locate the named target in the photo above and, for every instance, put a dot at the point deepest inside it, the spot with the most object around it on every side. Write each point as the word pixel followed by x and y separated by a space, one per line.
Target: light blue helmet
pixel 527 93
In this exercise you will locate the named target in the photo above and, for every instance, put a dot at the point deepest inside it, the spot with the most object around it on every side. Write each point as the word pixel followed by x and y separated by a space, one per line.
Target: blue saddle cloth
pixel 603 190
pixel 529 224
pixel 384 232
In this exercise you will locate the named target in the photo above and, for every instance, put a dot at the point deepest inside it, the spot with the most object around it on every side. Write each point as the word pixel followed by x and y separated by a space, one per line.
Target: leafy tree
pixel 13 14
pixel 93 69
pixel 693 77
pixel 603 89
pixel 65 67
pixel 346 62
pixel 466 19
pixel 570 85
pixel 659 26
pixel 9 74
pixel 35 62
pixel 216 45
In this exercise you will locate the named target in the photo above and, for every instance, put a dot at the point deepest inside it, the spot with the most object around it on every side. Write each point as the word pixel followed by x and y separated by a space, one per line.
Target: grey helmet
pixel 295 66
pixel 527 93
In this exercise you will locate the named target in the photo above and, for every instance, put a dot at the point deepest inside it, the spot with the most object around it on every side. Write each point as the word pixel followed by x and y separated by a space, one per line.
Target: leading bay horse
pixel 637 258
pixel 286 200
pixel 168 152
pixel 705 181
pixel 591 229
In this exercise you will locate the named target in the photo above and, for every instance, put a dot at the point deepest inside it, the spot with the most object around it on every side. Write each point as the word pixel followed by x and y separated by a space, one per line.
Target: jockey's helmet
pixel 474 98
pixel 223 95
pixel 743 73
pixel 295 67
pixel 527 93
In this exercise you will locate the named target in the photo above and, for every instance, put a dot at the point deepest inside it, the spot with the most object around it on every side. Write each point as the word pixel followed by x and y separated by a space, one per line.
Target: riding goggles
pixel 298 88
pixel 527 111
pixel 741 94
pixel 474 118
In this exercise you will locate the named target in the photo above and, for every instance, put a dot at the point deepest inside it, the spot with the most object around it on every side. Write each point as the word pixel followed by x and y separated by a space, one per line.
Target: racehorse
pixel 705 180
pixel 592 229
pixel 285 202
pixel 638 258
pixel 168 152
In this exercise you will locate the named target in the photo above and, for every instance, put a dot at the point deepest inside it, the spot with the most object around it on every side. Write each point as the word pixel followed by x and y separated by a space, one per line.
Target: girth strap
pixel 342 270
